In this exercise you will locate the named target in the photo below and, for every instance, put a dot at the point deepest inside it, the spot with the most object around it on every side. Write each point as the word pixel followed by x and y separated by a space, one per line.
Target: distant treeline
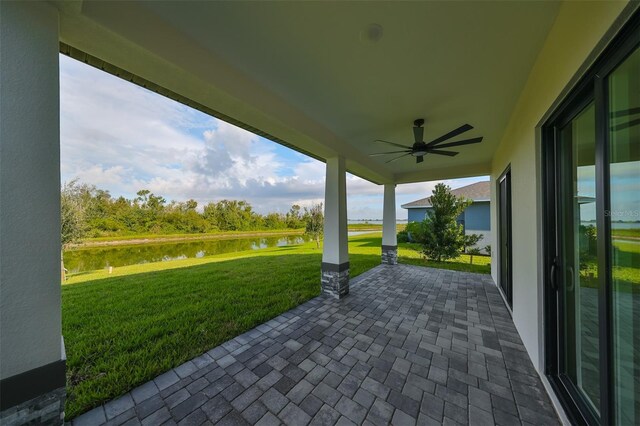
pixel 100 214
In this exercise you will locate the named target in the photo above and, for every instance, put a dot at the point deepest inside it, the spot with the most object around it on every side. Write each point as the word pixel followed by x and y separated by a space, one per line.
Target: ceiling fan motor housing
pixel 419 149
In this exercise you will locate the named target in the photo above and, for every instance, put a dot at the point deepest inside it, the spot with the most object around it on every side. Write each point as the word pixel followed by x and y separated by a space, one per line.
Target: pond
pixel 93 258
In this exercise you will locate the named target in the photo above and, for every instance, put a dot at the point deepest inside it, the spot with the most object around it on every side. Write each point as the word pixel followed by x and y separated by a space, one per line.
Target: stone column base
pixel 46 409
pixel 35 397
pixel 335 279
pixel 390 255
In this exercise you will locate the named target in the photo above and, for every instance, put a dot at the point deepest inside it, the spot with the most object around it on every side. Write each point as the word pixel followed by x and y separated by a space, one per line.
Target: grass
pixel 124 329
pixel 409 253
pixel 633 233
pixel 624 271
pixel 366 226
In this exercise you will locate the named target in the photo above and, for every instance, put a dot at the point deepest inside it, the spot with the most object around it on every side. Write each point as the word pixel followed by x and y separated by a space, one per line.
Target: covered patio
pixel 400 344
pixel 409 345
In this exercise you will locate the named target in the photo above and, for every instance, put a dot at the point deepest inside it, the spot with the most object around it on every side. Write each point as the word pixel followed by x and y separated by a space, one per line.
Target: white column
pixel 32 368
pixel 335 253
pixel 389 238
pixel 389 216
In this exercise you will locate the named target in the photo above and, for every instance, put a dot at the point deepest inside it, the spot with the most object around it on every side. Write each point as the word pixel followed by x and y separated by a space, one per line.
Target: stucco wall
pixel 577 31
pixel 30 317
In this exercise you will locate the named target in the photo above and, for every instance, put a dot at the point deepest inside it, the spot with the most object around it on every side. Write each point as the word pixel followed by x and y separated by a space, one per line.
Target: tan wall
pixel 577 31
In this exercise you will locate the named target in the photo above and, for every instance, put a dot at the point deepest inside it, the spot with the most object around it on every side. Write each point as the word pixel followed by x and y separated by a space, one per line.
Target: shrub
pixel 441 236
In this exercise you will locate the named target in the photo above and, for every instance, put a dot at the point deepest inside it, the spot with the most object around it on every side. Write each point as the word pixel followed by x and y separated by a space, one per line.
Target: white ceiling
pixel 308 73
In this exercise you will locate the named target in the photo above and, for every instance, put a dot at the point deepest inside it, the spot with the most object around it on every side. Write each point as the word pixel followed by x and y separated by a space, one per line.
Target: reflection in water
pixel 89 259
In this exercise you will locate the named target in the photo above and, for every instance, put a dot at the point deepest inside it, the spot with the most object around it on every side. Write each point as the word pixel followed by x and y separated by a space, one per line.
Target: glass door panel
pixel 579 335
pixel 591 157
pixel 504 253
pixel 624 184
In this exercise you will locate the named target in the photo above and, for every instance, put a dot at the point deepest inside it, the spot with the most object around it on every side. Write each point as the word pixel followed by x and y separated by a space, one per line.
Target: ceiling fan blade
pixel 451 134
pixel 418 133
pixel 390 152
pixel 397 158
pixel 439 152
pixel 419 159
pixel 393 143
pixel 460 143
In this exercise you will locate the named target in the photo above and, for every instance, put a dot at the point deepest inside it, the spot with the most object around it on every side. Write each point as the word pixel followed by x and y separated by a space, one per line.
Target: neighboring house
pixel 476 218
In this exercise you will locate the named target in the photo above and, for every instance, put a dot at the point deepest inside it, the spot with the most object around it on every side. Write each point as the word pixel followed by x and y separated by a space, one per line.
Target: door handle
pixel 572 282
pixel 552 274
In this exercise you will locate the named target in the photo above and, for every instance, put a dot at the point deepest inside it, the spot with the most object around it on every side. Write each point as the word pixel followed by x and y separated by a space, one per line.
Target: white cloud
pixel 123 138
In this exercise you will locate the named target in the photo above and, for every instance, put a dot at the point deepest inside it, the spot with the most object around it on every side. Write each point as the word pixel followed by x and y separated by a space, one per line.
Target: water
pixel 374 221
pixel 354 233
pixel 93 258
pixel 624 225
pixel 615 225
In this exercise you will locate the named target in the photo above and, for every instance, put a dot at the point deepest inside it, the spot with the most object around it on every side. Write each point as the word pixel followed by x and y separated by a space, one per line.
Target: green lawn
pixel 625 272
pixel 122 330
pixel 626 233
pixel 409 253
pixel 366 226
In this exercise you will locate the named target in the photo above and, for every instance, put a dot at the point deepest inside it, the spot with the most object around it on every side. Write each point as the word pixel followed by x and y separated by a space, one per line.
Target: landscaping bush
pixel 403 236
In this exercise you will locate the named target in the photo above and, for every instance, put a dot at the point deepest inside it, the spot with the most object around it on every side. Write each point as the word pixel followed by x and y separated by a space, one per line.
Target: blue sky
pixel 123 138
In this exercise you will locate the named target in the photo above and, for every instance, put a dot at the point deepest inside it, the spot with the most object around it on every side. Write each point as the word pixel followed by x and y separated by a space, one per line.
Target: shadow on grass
pixel 77 274
pixel 123 331
pixel 360 241
pixel 453 266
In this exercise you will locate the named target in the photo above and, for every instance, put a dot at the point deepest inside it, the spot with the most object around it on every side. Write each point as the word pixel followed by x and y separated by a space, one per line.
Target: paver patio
pixel 409 345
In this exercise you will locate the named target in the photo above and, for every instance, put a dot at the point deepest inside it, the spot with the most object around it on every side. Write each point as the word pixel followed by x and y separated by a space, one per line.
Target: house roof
pixel 479 191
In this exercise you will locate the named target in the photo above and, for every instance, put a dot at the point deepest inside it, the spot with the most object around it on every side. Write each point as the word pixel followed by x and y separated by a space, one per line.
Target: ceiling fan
pixel 421 148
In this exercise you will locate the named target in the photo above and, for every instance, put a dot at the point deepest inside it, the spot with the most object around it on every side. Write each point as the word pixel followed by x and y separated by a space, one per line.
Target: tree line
pixel 88 211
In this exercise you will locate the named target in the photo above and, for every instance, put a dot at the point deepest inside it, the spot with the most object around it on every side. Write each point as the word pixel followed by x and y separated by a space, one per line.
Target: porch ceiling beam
pixel 430 174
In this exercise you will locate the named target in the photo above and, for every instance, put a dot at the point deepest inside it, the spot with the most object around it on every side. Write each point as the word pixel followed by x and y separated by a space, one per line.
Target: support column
pixel 335 252
pixel 32 365
pixel 389 237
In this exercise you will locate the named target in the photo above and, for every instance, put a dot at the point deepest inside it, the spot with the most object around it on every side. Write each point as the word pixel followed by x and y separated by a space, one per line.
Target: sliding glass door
pixel 505 278
pixel 591 150
pixel 624 214
pixel 578 256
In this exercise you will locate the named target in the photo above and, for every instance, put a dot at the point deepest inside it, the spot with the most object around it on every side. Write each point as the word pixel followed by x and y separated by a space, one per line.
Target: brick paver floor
pixel 409 345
